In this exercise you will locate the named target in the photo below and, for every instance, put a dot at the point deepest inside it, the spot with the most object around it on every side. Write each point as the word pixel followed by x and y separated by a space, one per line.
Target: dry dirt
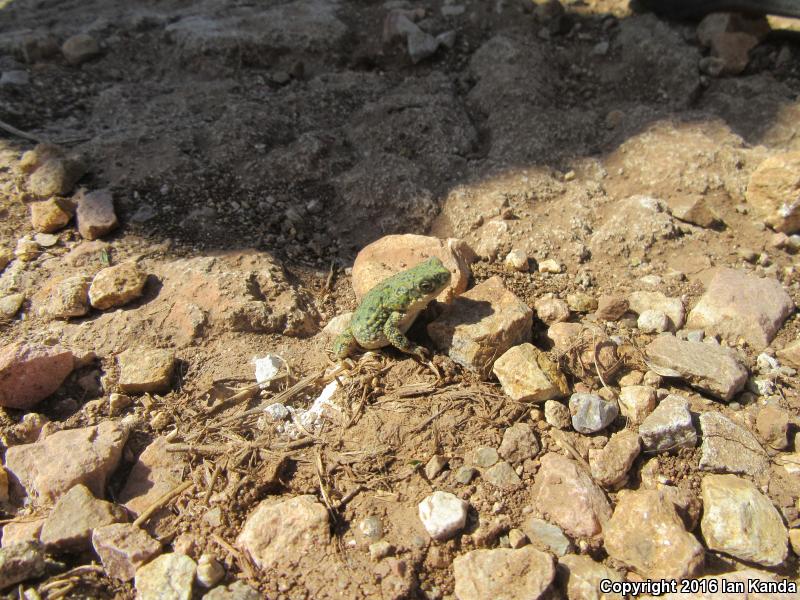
pixel 310 141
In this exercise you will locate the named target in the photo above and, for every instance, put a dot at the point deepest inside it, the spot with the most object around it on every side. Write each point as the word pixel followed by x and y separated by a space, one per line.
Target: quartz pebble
pixel 443 515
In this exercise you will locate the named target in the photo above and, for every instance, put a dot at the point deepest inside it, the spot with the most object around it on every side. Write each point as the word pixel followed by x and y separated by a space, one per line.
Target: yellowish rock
pixel 528 375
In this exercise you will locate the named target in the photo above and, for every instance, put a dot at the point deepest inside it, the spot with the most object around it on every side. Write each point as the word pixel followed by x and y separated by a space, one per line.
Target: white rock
pixel 443 514
pixel 653 321
pixel 267 368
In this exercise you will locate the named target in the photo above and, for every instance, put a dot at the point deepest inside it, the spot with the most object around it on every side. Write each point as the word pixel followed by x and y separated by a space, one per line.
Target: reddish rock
pixel 568 497
pixel 29 374
pixel 281 534
pixel 522 574
pixel 95 214
pixel 611 308
pixel 77 513
pixel 394 253
pixel 123 548
pixel 154 474
pixel 53 465
pixel 737 304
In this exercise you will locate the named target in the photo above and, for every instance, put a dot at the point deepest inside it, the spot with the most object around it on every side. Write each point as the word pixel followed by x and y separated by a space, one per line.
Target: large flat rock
pixel 481 324
pixel 706 367
pixel 50 467
pixel 740 305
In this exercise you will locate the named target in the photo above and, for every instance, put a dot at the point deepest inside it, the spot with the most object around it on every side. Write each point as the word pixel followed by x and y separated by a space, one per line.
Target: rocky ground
pixel 613 392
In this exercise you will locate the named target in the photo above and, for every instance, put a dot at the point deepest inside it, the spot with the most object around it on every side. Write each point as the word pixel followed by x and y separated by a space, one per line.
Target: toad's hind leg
pixel 344 345
pixel 397 338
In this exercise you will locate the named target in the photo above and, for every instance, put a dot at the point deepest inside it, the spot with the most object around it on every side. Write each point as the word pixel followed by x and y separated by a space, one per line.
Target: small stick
pixel 296 444
pixel 19 133
pixel 214 476
pixel 244 563
pixel 161 502
pixel 349 496
pixel 240 396
pixel 198 449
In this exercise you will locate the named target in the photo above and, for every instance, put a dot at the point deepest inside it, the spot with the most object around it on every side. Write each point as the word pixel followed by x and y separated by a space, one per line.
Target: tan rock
pixel 686 503
pixel 568 497
pixel 145 370
pixel 646 534
pixel 79 48
pixel 167 577
pixel 50 171
pixel 123 548
pixel 53 465
pixel 116 286
pixel 563 335
pixel 50 215
pixel 737 304
pixel 740 521
pixel 24 530
pixel 581 577
pixel 394 253
pixel 29 374
pixel 636 402
pixel 481 325
pixel 281 535
pixel 551 310
pixel 519 443
pixel 774 189
pixel 75 516
pixel 694 209
pixel 528 375
pixel 731 22
pixel 730 448
pixel 522 574
pixel 10 305
pixel 63 298
pixel 790 354
pixel 21 562
pixel 610 464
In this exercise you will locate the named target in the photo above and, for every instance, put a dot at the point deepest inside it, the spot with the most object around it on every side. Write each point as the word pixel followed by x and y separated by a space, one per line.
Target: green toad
pixel 389 309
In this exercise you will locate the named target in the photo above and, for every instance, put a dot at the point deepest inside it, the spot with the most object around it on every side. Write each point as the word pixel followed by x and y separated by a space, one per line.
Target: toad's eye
pixel 426 286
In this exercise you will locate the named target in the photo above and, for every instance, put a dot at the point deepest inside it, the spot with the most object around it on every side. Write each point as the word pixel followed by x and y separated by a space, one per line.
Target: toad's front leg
pixel 391 329
pixel 344 345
